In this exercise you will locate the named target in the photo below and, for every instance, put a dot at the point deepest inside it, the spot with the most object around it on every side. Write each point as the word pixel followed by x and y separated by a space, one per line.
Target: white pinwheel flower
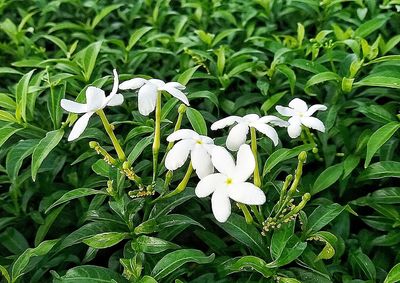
pixel 95 100
pixel 147 95
pixel 198 146
pixel 300 114
pixel 238 134
pixel 230 182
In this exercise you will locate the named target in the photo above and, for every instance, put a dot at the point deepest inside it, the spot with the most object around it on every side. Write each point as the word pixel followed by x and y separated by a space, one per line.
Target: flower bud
pixel 303 156
pixel 93 144
pixel 182 108
pixel 125 165
pixel 315 150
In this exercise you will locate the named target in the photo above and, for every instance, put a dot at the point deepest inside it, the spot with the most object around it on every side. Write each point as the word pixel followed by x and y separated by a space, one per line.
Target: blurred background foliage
pixel 236 57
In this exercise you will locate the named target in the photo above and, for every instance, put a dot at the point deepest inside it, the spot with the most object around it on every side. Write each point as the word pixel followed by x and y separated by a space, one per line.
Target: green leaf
pixel 7 102
pixel 22 261
pixel 393 275
pixel 90 274
pixel 152 245
pixel 379 170
pixel 197 121
pixel 208 95
pixel 349 164
pixel 360 261
pixel 320 78
pixel 139 148
pixel 44 228
pixel 293 249
pixel 172 261
pixel 246 234
pixel 280 238
pixel 136 36
pixel 6 132
pixel 16 156
pixel 7 116
pixel 370 26
pixel 105 240
pixel 247 263
pixel 157 224
pixel 272 100
pixel 74 194
pixel 87 57
pixel 327 178
pixel 53 104
pixel 5 273
pixel 283 154
pixel 13 240
pixel 322 216
pixel 379 138
pixel 103 13
pixel 290 74
pixel 21 96
pixel 45 146
pixel 330 241
pixel 240 69
pixel 379 81
pixel 185 77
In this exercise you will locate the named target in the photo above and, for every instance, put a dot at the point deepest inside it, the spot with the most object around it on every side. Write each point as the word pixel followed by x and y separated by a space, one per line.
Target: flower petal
pixel 158 83
pixel 95 98
pixel 313 123
pixel 221 205
pixel 79 126
pixel 298 105
pixel 175 85
pixel 251 118
pixel 177 156
pixel 183 134
pixel 285 111
pixel 209 184
pixel 245 164
pixel 314 108
pixel 147 98
pixel 267 130
pixel 116 82
pixel 223 161
pixel 206 139
pixel 73 107
pixel 294 128
pixel 116 99
pixel 201 161
pixel 246 193
pixel 133 83
pixel 225 122
pixel 273 120
pixel 176 93
pixel 237 136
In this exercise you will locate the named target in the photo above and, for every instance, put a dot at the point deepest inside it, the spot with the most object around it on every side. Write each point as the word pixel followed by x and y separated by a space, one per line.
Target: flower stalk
pixel 157 135
pixel 110 132
pixel 257 178
pixel 100 150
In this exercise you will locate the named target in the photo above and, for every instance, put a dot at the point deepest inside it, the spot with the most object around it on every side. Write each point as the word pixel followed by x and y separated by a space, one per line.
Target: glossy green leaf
pixel 327 178
pixel 92 274
pixel 197 121
pixel 393 275
pixel 379 170
pixel 322 216
pixel 21 96
pixel 44 147
pixel 378 138
pixel 152 245
pixel 105 240
pixel 176 259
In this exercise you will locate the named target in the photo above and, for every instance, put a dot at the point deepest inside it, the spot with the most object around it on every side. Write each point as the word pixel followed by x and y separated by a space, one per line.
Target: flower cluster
pixel 230 180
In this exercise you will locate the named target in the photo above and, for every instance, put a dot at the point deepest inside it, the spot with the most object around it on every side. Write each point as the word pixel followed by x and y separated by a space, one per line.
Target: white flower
pixel 95 100
pixel 238 134
pixel 301 115
pixel 147 95
pixel 230 182
pixel 198 146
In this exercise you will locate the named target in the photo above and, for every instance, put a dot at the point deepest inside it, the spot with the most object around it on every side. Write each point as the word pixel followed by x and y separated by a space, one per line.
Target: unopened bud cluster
pixel 144 192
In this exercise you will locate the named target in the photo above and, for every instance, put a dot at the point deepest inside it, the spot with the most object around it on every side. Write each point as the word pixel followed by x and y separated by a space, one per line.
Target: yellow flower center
pixel 199 142
pixel 229 181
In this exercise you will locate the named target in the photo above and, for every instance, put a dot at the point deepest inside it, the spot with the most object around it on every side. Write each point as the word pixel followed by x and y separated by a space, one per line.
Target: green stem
pixel 110 132
pixel 157 130
pixel 182 185
pixel 246 213
pixel 257 179
pixel 313 143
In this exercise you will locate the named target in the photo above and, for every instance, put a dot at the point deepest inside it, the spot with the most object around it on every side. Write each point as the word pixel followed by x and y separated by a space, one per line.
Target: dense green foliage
pixel 61 220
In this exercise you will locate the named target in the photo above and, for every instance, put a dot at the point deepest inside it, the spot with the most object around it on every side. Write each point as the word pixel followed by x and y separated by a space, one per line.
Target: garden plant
pixel 199 141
